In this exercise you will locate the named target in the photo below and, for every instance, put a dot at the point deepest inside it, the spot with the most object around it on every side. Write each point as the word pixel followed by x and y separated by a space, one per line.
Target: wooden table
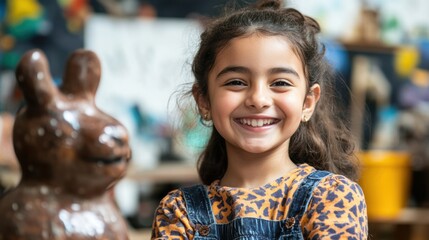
pixel 410 224
pixel 165 173
pixel 139 234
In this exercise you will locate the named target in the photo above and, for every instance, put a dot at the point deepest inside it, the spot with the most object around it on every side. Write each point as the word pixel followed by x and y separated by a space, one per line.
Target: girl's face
pixel 257 94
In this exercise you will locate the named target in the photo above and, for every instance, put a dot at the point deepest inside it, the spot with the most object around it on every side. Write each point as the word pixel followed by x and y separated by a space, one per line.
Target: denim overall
pixel 200 214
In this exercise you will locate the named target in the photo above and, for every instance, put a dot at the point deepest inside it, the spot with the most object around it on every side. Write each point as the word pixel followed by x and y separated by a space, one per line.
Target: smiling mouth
pixel 257 122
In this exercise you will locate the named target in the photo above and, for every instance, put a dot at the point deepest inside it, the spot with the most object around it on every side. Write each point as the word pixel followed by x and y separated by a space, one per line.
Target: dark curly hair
pixel 325 141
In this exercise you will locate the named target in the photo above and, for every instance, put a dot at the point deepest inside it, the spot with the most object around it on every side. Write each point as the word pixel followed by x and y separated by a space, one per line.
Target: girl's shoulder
pixel 336 199
pixel 172 201
pixel 340 195
pixel 330 182
pixel 336 186
pixel 333 188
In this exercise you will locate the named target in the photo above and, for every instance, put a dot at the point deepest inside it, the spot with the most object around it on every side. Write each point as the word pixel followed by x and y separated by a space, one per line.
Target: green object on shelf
pixel 9 60
pixel 26 28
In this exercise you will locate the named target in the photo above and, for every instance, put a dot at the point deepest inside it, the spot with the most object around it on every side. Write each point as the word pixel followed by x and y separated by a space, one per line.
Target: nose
pixel 259 96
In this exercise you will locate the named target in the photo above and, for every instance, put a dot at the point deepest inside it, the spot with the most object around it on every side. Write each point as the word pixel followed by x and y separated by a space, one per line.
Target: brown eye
pixel 235 82
pixel 281 83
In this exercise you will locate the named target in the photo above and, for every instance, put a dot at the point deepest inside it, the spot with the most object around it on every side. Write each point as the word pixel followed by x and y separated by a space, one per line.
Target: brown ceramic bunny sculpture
pixel 70 153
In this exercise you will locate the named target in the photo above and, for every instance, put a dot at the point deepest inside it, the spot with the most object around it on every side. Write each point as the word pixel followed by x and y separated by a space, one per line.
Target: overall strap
pixel 302 196
pixel 198 205
pixel 300 202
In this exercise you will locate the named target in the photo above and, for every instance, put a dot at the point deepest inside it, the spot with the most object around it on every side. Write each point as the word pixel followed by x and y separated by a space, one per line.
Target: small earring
pixel 205 120
pixel 304 118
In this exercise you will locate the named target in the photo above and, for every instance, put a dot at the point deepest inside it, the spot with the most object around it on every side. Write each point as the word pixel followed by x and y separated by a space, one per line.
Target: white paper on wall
pixel 143 61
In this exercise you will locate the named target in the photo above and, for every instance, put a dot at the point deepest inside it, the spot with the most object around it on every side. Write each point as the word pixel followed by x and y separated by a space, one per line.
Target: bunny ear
pixel 34 79
pixel 82 74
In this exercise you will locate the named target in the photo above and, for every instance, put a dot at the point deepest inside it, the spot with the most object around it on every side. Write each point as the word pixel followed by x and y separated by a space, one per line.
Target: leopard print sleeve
pixel 336 211
pixel 171 220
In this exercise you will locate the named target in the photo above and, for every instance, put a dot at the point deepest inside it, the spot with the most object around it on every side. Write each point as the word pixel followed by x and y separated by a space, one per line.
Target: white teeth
pixel 256 122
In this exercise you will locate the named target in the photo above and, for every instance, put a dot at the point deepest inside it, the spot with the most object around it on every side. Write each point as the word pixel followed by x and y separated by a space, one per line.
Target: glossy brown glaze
pixel 70 152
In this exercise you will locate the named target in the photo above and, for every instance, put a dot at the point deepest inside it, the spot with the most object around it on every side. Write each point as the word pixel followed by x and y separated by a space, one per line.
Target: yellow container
pixel 385 181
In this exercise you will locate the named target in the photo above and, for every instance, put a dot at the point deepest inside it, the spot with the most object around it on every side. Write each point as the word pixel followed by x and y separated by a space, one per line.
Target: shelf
pixel 165 173
pixel 9 178
pixel 139 234
pixel 369 47
pixel 411 216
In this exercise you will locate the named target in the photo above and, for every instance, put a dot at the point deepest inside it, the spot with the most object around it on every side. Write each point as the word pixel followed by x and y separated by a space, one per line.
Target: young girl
pixel 277 162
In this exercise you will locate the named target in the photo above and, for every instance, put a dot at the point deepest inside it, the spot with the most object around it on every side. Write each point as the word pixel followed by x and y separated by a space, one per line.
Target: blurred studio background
pixel 378 48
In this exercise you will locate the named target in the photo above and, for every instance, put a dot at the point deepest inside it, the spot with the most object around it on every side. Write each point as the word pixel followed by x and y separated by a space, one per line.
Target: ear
pixel 82 74
pixel 34 79
pixel 310 102
pixel 201 100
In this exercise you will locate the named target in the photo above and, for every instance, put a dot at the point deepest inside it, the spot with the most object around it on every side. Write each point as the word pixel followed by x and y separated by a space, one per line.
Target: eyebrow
pixel 239 69
pixel 284 70
pixel 235 69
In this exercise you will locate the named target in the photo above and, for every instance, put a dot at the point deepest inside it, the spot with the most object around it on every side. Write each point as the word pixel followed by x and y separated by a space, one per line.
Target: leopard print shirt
pixel 337 209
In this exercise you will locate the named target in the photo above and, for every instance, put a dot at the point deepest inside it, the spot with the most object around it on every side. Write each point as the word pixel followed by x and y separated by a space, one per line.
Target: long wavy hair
pixel 325 141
